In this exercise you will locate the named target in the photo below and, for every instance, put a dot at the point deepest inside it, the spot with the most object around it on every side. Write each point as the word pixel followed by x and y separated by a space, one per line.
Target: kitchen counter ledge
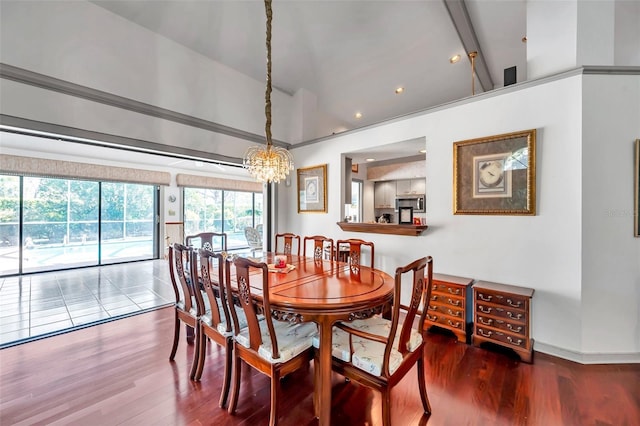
pixel 383 228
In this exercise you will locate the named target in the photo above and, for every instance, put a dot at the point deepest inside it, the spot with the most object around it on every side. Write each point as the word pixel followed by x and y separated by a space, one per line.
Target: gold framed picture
pixel 312 189
pixel 495 175
pixel 636 192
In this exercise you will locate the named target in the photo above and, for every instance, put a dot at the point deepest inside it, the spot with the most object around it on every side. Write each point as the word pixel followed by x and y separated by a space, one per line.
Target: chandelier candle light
pixel 268 163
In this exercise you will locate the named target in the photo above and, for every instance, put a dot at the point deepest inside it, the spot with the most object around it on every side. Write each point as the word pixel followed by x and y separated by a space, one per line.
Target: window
pixel 222 211
pixel 353 211
pixel 69 223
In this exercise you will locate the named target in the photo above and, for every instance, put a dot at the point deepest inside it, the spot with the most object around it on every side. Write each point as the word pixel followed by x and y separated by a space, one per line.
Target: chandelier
pixel 268 163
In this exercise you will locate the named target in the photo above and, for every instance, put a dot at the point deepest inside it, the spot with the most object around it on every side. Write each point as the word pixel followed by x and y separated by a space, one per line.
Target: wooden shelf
pixel 383 228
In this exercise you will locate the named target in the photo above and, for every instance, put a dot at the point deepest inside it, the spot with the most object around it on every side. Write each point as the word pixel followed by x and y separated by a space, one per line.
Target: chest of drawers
pixel 502 316
pixel 450 305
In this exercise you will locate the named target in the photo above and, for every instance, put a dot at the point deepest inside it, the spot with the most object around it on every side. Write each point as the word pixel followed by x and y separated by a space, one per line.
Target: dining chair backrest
pixel 286 242
pixel 320 243
pixel 213 270
pixel 355 251
pixel 421 273
pixel 243 268
pixel 181 263
pixel 213 241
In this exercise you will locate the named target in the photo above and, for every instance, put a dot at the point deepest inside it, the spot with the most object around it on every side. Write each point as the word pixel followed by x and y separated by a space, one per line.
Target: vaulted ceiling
pixel 352 55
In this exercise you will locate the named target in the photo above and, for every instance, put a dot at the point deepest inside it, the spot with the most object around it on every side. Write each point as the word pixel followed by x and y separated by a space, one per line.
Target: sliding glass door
pixel 9 225
pixel 49 224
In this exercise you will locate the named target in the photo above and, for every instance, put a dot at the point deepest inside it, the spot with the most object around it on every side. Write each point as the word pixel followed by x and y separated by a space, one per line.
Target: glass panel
pixel 60 224
pixel 258 208
pixel 238 214
pixel 9 224
pixel 202 210
pixel 128 225
pixel 353 211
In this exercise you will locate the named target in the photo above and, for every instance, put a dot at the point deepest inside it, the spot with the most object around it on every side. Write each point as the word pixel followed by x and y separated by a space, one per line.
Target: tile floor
pixel 40 305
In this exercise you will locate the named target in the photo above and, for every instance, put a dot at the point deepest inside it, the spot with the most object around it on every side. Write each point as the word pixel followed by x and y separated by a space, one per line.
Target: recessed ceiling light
pixel 358 115
pixel 369 159
pixel 454 59
pixel 423 151
pixel 399 90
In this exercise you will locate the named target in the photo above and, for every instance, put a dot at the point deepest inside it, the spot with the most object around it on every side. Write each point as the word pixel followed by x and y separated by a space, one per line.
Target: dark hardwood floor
pixel 119 373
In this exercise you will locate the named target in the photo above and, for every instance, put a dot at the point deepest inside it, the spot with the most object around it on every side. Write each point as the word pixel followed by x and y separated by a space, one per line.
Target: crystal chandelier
pixel 268 163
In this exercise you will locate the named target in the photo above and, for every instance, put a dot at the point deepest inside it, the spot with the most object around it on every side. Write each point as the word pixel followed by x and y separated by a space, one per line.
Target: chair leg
pixel 386 407
pixel 423 387
pixel 201 349
pixel 275 390
pixel 200 343
pixel 176 338
pixel 228 358
pixel 235 383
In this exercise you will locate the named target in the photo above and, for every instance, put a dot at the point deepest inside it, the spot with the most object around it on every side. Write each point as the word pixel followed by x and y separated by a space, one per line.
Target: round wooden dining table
pixel 324 291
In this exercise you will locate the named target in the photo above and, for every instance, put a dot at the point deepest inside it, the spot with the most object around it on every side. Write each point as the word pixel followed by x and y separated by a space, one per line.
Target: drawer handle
pixel 513 341
pixel 456 292
pixel 484 298
pixel 454 302
pixel 432 318
pixel 482 333
pixel 515 305
pixel 484 310
pixel 516 329
pixel 452 324
pixel 485 322
pixel 514 316
pixel 432 308
pixel 455 314
pixel 434 298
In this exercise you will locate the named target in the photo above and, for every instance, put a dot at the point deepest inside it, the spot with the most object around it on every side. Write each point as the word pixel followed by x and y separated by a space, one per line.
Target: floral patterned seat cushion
pixel 293 339
pixel 369 355
pixel 339 344
pixel 222 327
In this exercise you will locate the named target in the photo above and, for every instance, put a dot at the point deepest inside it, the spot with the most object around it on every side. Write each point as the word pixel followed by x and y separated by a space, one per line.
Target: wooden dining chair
pixel 286 242
pixel 213 241
pixel 215 323
pixel 275 348
pixel 378 352
pixel 320 244
pixel 182 269
pixel 355 251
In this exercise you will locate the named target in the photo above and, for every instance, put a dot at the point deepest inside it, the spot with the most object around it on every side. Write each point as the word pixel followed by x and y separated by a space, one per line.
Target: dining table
pixel 325 292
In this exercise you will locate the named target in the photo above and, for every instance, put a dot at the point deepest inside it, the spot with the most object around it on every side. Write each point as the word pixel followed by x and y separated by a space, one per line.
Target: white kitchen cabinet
pixel 384 194
pixel 410 186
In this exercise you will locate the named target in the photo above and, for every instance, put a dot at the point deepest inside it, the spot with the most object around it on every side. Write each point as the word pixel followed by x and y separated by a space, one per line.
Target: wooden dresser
pixel 450 305
pixel 503 317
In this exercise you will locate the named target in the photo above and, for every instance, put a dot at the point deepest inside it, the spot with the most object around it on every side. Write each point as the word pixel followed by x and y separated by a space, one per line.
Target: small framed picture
pixel 405 215
pixel 312 189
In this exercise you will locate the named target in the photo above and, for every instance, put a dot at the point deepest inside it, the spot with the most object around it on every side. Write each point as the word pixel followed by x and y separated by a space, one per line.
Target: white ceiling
pixel 351 54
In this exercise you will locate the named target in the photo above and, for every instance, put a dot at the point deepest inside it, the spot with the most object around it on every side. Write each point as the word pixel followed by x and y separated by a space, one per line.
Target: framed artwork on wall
pixel 405 215
pixel 636 192
pixel 312 189
pixel 495 175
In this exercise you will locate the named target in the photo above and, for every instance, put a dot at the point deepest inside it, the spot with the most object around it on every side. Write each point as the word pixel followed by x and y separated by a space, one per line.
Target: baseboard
pixel 588 358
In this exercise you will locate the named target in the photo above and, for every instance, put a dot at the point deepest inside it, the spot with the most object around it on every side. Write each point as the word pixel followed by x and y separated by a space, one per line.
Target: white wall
pixel 610 253
pixel 82 43
pixel 545 252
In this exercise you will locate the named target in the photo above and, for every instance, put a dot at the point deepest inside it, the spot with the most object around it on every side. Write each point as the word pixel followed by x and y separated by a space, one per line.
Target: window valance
pixel 17 165
pixel 194 181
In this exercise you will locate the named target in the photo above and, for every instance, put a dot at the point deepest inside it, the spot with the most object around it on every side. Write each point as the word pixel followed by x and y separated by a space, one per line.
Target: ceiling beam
pixel 462 23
